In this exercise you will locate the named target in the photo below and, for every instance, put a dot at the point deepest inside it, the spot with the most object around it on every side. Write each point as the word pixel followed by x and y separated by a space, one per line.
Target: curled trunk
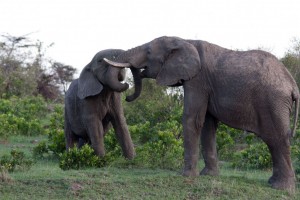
pixel 131 58
pixel 112 80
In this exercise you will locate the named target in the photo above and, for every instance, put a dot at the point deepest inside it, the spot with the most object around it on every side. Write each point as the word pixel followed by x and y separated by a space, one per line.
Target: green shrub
pixel 15 161
pixel 42 151
pixel 256 156
pixel 112 146
pixel 55 131
pixel 165 152
pixel 225 144
pixel 55 144
pixel 80 158
pixel 22 116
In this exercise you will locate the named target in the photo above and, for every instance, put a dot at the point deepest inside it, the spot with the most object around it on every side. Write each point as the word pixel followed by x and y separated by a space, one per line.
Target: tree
pixel 292 59
pixel 25 70
pixel 15 77
pixel 63 74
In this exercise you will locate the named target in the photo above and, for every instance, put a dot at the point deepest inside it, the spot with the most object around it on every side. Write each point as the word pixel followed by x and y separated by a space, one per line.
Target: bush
pixel 56 139
pixel 165 152
pixel 80 158
pixel 42 151
pixel 256 156
pixel 225 142
pixel 21 116
pixel 15 161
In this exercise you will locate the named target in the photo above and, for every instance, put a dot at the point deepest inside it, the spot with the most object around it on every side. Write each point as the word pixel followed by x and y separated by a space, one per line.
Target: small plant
pixel 15 161
pixel 256 156
pixel 42 150
pixel 55 131
pixel 166 152
pixel 80 158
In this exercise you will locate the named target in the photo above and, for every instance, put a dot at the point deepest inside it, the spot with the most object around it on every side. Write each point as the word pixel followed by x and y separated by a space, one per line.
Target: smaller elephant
pixel 92 102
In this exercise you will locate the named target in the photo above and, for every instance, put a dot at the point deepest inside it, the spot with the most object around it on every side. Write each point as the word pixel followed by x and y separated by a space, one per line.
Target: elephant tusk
pixel 117 64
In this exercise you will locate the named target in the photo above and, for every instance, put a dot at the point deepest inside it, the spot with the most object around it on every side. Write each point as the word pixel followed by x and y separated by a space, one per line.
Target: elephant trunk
pixel 112 80
pixel 137 84
pixel 132 58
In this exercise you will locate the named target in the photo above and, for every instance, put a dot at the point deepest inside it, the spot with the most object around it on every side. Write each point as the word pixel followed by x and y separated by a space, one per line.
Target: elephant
pixel 248 90
pixel 93 101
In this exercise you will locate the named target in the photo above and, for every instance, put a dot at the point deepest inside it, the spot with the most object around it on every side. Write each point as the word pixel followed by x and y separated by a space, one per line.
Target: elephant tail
pixel 296 112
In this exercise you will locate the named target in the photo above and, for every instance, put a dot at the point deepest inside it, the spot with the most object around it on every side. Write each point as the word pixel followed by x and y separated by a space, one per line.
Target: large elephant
pixel 93 101
pixel 248 90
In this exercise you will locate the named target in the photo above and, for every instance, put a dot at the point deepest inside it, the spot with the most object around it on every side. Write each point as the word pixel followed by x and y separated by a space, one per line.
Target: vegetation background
pixel 34 164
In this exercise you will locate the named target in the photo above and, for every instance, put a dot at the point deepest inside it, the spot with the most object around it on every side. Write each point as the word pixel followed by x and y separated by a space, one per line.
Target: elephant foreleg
pixel 96 135
pixel 121 129
pixel 208 144
pixel 195 105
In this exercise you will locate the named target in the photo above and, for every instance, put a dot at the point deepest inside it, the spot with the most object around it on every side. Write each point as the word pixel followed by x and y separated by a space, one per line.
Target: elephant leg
pixel 208 144
pixel 121 130
pixel 275 133
pixel 96 136
pixel 195 105
pixel 70 137
pixel 283 175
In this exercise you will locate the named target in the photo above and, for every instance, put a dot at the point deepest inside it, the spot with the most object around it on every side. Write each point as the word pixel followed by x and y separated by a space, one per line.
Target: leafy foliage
pixel 15 161
pixel 154 105
pixel 166 152
pixel 256 156
pixel 22 116
pixel 25 70
pixel 56 139
pixel 80 158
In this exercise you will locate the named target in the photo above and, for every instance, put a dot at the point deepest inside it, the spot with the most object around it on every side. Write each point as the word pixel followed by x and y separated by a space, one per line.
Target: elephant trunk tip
pixel 130 98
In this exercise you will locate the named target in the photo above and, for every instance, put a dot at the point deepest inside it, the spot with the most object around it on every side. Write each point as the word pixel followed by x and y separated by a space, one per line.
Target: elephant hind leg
pixel 283 175
pixel 70 137
pixel 208 144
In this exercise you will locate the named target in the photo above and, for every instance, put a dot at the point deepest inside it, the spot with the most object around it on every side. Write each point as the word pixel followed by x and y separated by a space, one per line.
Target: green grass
pixel 45 180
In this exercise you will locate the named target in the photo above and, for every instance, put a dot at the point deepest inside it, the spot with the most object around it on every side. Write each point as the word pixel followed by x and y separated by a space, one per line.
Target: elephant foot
pixel 283 184
pixel 190 173
pixel 210 172
pixel 130 155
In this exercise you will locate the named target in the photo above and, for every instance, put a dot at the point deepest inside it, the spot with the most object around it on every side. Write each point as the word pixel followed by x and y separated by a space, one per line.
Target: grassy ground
pixel 45 180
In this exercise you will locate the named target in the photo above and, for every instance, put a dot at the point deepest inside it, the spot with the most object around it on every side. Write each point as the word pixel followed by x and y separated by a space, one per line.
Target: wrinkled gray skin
pixel 93 101
pixel 247 90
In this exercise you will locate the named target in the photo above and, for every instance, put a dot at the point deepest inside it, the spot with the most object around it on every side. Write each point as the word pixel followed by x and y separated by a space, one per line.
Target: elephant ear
pixel 181 63
pixel 88 84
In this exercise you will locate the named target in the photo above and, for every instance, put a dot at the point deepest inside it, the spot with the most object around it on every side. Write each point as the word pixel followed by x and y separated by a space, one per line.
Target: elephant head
pixel 169 60
pixel 98 74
